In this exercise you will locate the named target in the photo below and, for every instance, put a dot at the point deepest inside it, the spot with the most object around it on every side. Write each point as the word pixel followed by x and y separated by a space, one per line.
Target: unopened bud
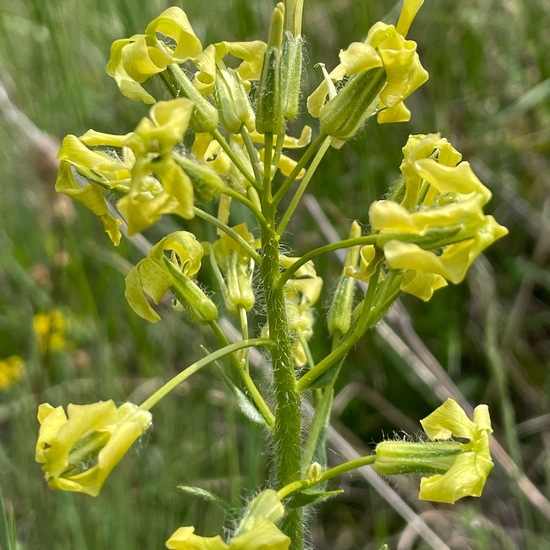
pixel 340 313
pixel 269 115
pixel 291 74
pixel 233 105
pixel 207 184
pixel 314 472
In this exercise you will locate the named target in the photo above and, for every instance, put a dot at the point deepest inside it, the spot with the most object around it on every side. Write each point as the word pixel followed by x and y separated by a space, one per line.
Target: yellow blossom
pixel 11 369
pixel 156 274
pixel 256 531
pixel 50 328
pixel 79 449
pixel 460 469
pixel 150 178
pixel 135 59
pixel 381 73
pixel 438 227
pixel 468 474
pixel 84 174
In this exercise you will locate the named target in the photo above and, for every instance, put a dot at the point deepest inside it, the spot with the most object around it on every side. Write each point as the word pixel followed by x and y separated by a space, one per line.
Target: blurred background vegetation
pixel 488 339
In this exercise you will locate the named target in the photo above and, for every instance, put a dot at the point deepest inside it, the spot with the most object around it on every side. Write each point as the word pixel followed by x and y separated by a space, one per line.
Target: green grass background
pixel 489 93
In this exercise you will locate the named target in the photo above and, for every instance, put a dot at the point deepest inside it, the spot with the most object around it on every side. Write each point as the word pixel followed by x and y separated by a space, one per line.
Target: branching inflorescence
pixel 218 143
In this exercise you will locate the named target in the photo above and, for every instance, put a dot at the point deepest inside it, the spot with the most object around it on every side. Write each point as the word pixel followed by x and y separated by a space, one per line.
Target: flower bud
pixel 339 315
pixel 233 104
pixel 269 115
pixel 291 74
pixel 314 472
pixel 207 184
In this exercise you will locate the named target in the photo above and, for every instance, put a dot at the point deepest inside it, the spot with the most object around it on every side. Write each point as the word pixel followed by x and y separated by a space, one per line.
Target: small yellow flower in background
pixel 11 369
pixel 156 274
pixel 50 330
pixel 80 449
pixel 257 530
pixel 461 469
pixel 440 207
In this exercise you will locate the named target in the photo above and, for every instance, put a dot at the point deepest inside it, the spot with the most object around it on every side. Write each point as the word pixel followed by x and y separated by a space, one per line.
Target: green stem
pixel 253 156
pixel 346 243
pixel 361 325
pixel 304 159
pixel 218 136
pixel 303 186
pixel 268 156
pixel 244 331
pixel 228 231
pixel 278 150
pixel 248 203
pixel 328 474
pixel 150 402
pixel 288 422
pixel 251 388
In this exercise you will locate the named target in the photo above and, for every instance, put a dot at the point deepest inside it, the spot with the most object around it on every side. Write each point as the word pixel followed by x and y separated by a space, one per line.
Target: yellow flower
pixel 438 227
pixel 157 273
pixel 468 474
pixel 11 369
pixel 80 449
pixel 184 538
pixel 50 328
pixel 381 72
pixel 460 469
pixel 84 175
pixel 159 185
pixel 135 59
pixel 149 176
pixel 257 530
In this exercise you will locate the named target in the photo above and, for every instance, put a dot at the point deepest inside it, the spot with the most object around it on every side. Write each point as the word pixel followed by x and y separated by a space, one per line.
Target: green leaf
pixel 308 497
pixel 206 495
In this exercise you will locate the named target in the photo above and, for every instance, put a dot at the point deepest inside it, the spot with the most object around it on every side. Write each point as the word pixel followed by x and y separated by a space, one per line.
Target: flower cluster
pixel 50 329
pixel 148 177
pixel 11 369
pixel 432 226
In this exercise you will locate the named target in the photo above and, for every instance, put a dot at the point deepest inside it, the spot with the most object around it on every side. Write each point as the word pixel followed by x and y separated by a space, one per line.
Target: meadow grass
pixel 489 93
